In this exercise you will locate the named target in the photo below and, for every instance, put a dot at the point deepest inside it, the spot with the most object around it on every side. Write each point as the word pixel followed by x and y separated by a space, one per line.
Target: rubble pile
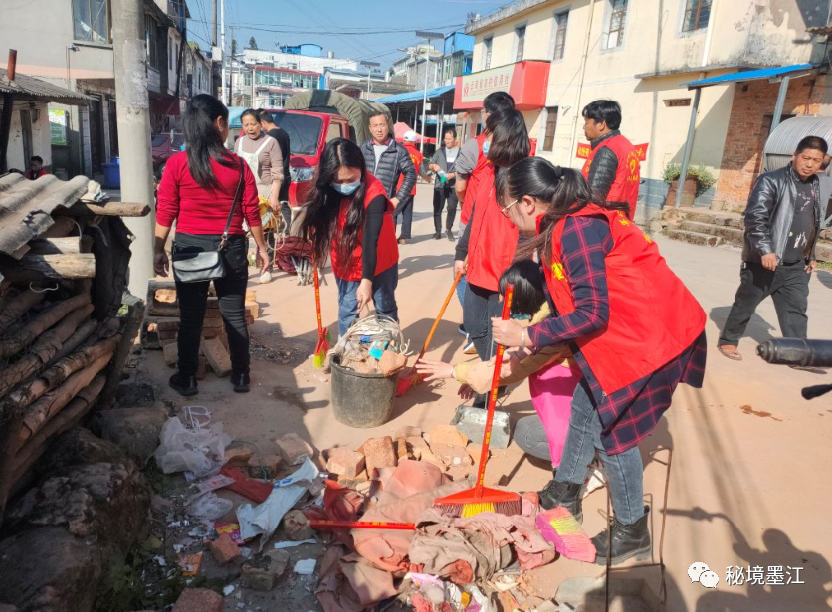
pixel 373 345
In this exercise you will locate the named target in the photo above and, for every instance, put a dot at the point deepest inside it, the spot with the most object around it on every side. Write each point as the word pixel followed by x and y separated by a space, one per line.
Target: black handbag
pixel 207 265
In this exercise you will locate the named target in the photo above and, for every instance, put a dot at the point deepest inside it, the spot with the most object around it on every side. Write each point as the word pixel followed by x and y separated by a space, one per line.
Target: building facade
pixel 629 51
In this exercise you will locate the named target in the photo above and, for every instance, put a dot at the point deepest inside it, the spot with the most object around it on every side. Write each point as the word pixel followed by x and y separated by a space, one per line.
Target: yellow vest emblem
pixel 557 271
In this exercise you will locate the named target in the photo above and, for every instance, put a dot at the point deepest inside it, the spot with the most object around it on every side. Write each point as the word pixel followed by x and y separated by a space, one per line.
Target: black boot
pixel 627 541
pixel 566 494
pixel 183 385
pixel 241 382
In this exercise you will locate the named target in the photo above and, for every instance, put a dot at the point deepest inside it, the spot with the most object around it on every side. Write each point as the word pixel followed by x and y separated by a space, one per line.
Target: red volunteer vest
pixel 388 248
pixel 653 317
pixel 625 186
pixel 474 182
pixel 416 157
pixel 493 239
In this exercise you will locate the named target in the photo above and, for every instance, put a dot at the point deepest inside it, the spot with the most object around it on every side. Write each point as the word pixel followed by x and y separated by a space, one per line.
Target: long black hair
pixel 510 140
pixel 203 141
pixel 320 223
pixel 527 279
pixel 564 189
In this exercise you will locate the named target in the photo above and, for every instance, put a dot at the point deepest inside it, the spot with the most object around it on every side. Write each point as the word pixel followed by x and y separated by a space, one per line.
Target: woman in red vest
pixel 635 330
pixel 350 220
pixel 490 239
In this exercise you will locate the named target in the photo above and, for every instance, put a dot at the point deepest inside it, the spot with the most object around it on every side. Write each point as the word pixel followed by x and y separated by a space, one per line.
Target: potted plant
pixel 698 180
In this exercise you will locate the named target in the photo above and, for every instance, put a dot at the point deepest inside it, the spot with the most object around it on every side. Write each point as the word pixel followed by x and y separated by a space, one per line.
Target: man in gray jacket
pixel 387 160
pixel 782 223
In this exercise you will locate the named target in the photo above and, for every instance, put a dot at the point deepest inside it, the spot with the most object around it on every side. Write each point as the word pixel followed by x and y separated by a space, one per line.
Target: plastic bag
pixel 209 507
pixel 200 450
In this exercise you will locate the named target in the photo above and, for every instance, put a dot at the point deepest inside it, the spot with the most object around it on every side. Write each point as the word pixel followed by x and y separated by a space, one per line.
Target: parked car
pixel 162 146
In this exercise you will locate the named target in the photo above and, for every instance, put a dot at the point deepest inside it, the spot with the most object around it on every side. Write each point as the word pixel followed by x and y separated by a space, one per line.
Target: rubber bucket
pixel 361 400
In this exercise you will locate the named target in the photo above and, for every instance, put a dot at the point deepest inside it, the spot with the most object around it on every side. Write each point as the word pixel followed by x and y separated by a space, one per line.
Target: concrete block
pixel 293 449
pixel 345 462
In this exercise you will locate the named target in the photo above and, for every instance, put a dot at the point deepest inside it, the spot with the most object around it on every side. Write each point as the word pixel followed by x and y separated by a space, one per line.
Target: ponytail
pixel 203 141
pixel 565 191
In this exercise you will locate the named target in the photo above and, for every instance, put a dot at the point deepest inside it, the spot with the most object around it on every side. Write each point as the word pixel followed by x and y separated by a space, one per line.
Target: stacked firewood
pixel 161 326
pixel 53 357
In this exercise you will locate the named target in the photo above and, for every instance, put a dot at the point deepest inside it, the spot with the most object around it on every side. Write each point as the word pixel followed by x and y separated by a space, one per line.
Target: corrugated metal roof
pixel 749 75
pixel 26 206
pixel 412 96
pixel 783 140
pixel 29 88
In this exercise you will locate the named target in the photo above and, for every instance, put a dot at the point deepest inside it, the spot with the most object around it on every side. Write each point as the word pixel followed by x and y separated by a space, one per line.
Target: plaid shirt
pixel 630 414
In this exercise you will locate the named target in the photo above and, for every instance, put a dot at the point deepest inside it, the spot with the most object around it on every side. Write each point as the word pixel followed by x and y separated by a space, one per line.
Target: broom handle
pixel 492 398
pixel 317 300
pixel 439 316
pixel 361 525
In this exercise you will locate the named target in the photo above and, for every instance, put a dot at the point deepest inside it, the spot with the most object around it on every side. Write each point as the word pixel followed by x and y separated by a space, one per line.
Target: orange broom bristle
pixel 559 527
pixel 480 499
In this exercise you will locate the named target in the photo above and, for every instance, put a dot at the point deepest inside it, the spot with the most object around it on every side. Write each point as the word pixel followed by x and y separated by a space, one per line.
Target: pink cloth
pixel 551 390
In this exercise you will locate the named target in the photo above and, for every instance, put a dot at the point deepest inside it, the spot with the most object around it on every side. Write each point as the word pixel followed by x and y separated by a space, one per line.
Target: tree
pixel 252 44
pixel 233 46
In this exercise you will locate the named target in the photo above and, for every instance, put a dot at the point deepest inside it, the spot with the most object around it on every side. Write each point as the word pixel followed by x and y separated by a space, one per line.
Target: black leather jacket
pixel 604 165
pixel 769 214
pixel 394 160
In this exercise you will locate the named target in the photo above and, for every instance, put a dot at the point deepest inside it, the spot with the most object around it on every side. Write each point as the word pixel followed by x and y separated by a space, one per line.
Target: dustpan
pixel 471 422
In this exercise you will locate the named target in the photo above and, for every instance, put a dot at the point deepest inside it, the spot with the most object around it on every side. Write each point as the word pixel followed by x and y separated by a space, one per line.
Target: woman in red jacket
pixel 636 332
pixel 350 219
pixel 197 191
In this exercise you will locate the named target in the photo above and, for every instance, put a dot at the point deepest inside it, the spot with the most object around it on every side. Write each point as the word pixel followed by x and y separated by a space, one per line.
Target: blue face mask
pixel 346 188
pixel 485 146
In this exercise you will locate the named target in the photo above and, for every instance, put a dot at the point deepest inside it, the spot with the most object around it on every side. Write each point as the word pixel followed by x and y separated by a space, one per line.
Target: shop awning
pixel 750 75
pixel 416 96
pixel 526 81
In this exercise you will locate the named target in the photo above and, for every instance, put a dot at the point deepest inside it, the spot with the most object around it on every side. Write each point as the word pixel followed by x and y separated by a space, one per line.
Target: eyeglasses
pixel 505 209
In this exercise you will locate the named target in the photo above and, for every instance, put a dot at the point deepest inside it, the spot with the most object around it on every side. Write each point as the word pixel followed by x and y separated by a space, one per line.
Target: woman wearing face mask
pixel 262 154
pixel 350 219
pixel 490 239
pixel 198 190
pixel 636 332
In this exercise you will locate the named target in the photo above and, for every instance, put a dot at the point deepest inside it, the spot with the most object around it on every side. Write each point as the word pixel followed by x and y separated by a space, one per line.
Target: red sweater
pixel 198 210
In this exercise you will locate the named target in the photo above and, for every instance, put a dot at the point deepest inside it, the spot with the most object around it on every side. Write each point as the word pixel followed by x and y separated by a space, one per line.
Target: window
pixel 151 41
pixel 333 131
pixel 561 20
pixel 486 60
pixel 521 38
pixel 551 124
pixel 247 79
pixel 170 54
pixel 91 20
pixel 618 18
pixel 697 14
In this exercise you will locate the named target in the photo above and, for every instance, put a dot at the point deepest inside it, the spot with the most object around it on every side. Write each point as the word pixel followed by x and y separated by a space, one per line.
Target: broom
pixel 481 499
pixel 322 346
pixel 559 527
pixel 409 377
pixel 324 524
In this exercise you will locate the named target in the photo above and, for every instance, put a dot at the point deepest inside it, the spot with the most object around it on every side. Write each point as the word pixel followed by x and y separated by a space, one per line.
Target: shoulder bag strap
pixel 237 196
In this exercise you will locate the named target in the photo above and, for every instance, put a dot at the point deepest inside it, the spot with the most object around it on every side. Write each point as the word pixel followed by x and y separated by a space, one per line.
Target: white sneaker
pixel 470 349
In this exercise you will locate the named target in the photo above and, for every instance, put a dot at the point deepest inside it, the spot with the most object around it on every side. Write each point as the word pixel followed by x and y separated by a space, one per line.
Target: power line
pixel 278 30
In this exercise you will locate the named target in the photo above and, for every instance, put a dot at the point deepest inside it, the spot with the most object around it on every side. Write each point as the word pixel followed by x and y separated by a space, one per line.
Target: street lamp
pixel 427 36
pixel 369 66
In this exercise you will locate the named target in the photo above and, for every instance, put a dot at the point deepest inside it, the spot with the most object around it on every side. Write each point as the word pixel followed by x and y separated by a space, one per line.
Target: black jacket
pixel 604 165
pixel 769 214
pixel 395 160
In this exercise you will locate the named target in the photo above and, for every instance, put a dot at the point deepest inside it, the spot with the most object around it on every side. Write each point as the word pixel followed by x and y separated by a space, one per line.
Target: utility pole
pixel 133 121
pixel 428 36
pixel 222 52
pixel 214 23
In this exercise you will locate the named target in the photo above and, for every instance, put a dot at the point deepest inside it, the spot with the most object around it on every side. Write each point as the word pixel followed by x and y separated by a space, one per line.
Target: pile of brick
pixel 161 326
pixel 443 446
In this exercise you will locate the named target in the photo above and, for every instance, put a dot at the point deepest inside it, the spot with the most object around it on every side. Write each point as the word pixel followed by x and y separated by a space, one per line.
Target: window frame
pixel 612 11
pixel 557 32
pixel 687 10
pixel 519 41
pixel 108 22
pixel 551 119
pixel 488 44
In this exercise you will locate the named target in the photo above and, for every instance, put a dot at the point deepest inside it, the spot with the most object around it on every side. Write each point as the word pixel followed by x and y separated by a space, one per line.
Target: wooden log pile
pixel 161 327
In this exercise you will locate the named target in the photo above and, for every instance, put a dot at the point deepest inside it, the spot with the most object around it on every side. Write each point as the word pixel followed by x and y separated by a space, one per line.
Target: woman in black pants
pixel 198 191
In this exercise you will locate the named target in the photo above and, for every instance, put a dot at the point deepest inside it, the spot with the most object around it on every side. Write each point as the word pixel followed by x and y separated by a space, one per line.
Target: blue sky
pixel 380 25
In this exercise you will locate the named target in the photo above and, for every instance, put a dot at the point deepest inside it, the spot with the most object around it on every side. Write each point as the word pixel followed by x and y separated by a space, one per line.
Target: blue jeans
pixel 625 471
pixel 463 282
pixel 384 297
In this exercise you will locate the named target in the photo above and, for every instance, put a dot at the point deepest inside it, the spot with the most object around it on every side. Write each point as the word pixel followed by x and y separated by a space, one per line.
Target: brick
pixel 211 322
pixel 391 362
pixel 296 526
pixel 213 303
pixel 165 342
pixel 460 472
pixel 401 449
pixel 171 353
pixel 345 462
pixel 198 600
pixel 416 445
pixel 167 296
pixel 201 367
pixel 217 356
pixel 225 550
pixel 262 574
pixel 269 463
pixel 447 434
pixel 238 456
pixel 429 457
pixel 293 449
pixel 210 332
pixel 249 319
pixel 408 431
pixel 379 453
pixel 166 334
pixel 253 308
pixel 166 325
pixel 251 296
pixel 452 456
pixel 475 450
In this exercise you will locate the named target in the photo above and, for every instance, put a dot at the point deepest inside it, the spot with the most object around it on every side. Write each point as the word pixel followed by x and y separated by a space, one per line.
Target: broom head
pixel 559 527
pixel 321 349
pixel 480 499
pixel 408 377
